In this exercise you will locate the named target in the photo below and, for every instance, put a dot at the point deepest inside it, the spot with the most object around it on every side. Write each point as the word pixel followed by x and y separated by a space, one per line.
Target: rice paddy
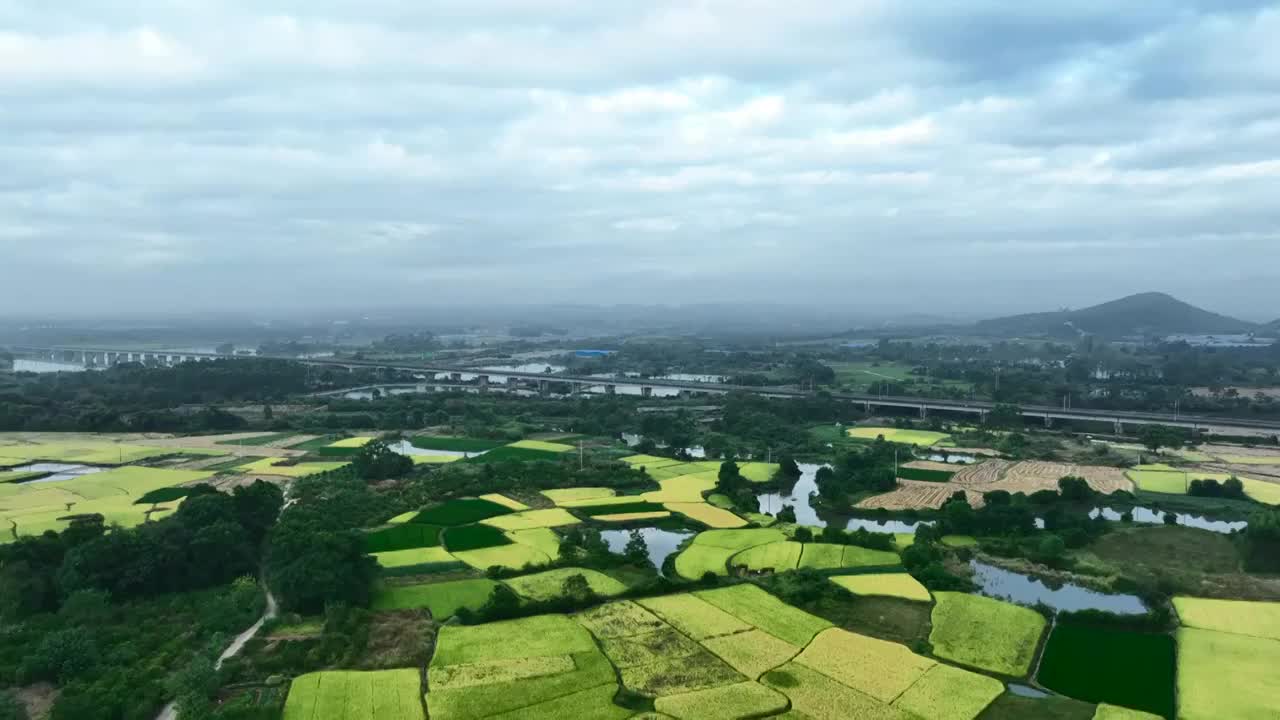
pixel 541 445
pixel 454 444
pixel 922 438
pixel 347 695
pixel 549 585
pixel 879 669
pixel 743 700
pixel 528 519
pixel 707 514
pixel 461 512
pixel 413 557
pixel 474 537
pixel 984 633
pixel 631 516
pixel 766 612
pixel 898 585
pixel 1224 675
pixel 505 501
pixel 753 652
pixel 782 556
pixel 1255 619
pixel 1129 669
pixel 278 466
pixel 512 557
pixel 711 550
pixel 403 536
pixel 352 442
pixel 566 495
pixel 442 599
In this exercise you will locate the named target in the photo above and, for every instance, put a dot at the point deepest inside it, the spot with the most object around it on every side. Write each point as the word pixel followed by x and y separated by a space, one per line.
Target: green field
pixel 508 453
pixel 512 557
pixel 753 652
pixel 260 439
pixel 1256 619
pixel 1223 675
pixel 9 477
pixel 782 556
pixel 710 551
pixel 743 700
pixel 454 444
pixel 345 695
pixel 925 474
pixel 404 536
pixel 766 612
pixel 549 585
pixel 618 508
pixel 899 585
pixel 578 494
pixel 876 668
pixel 986 634
pixel 461 512
pixel 415 556
pixel 1132 670
pixel 529 519
pixel 922 438
pixel 474 537
pixel 694 616
pixel 270 466
pixel 442 599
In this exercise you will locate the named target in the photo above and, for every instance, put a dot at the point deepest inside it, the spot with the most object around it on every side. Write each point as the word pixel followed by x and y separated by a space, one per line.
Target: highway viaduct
pixel 102 357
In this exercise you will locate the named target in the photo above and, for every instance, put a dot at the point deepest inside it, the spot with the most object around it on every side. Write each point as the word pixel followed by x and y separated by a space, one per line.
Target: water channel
pixel 1023 589
pixel 57 471
pixel 800 495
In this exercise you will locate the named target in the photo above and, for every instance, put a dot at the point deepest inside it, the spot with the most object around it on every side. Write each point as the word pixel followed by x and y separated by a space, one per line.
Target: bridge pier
pixel 544 388
pixel 455 377
pixel 484 383
pixel 1119 428
pixel 1048 421
pixel 924 412
pixel 646 391
pixel 610 389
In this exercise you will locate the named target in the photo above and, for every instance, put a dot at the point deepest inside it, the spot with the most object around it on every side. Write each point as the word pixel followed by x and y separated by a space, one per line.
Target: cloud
pixel 260 155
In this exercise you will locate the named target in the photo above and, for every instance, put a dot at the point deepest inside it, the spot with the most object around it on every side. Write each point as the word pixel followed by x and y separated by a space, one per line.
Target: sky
pixel 968 156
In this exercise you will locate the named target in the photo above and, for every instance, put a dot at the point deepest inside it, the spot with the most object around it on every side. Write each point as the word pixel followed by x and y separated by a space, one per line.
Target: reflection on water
pixel 952 458
pixel 800 497
pixel 1025 590
pixel 1147 516
pixel 661 543
pixel 1027 691
pixel 58 471
pixel 404 447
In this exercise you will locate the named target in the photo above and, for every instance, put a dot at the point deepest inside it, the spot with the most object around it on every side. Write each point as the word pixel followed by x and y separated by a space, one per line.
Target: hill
pixel 1149 314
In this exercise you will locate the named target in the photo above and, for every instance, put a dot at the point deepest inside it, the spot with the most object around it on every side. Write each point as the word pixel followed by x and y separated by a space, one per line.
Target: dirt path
pixel 170 711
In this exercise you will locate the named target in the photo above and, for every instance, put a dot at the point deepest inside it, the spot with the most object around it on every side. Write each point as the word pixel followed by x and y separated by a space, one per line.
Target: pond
pixel 404 447
pixel 662 543
pixel 1023 589
pixel 1027 691
pixel 952 459
pixel 58 471
pixel 1148 516
pixel 799 496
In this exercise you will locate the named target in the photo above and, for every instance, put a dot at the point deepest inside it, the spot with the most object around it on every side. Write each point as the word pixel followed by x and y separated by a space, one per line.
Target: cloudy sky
pixel 959 156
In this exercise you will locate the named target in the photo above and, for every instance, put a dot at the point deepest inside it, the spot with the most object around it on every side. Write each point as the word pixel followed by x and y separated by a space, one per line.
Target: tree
pixel 787 466
pixel 1156 436
pixel 10 708
pixel 377 461
pixel 803 535
pixel 576 589
pixel 787 514
pixel 637 550
pixel 256 508
pixel 1075 489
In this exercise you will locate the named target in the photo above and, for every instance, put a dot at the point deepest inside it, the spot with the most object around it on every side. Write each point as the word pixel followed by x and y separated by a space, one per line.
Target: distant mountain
pixel 1272 327
pixel 1147 314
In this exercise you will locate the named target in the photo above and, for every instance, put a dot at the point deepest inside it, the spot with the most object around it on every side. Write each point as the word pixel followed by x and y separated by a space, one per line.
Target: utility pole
pixel 580 460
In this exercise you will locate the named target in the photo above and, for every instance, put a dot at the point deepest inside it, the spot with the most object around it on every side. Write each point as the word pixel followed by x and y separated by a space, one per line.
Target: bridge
pixel 483 379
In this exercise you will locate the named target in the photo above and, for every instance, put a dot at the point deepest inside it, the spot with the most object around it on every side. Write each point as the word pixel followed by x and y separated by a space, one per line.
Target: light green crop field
pixel 1256 619
pixel 537 636
pixel 1224 675
pixel 766 612
pixel 948 693
pixel 505 501
pixel 707 514
pixel 758 471
pixel 578 494
pixel 1252 459
pixel 922 438
pixel 593 704
pixel 92 453
pixel 544 540
pixel 899 585
pixel 694 616
pixel 549 585
pixel 434 459
pixel 817 697
pixel 776 557
pixel 268 466
pixel 752 653
pixel 742 700
pixel 352 442
pixel 879 669
pixel 442 599
pixel 542 445
pixel 415 556
pixel 1171 481
pixel 684 488
pixel 985 633
pixel 619 619
pixel 650 462
pixel 711 550
pixel 528 519
pixel 345 695
pixel 1113 712
pixel 648 648
pixel 8 477
pixel 514 557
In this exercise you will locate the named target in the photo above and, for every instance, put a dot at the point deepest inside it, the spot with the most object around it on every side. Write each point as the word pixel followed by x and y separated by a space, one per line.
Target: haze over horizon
pixel 977 158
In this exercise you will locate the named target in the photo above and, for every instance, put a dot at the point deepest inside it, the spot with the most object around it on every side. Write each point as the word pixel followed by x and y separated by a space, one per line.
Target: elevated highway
pixel 454 374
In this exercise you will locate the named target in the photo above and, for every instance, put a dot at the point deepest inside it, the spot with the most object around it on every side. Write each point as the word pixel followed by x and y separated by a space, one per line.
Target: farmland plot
pixel 549 585
pixel 442 599
pixel 724 703
pixel 766 612
pixel 985 633
pixel 1207 690
pixel 344 695
pixel 1256 619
